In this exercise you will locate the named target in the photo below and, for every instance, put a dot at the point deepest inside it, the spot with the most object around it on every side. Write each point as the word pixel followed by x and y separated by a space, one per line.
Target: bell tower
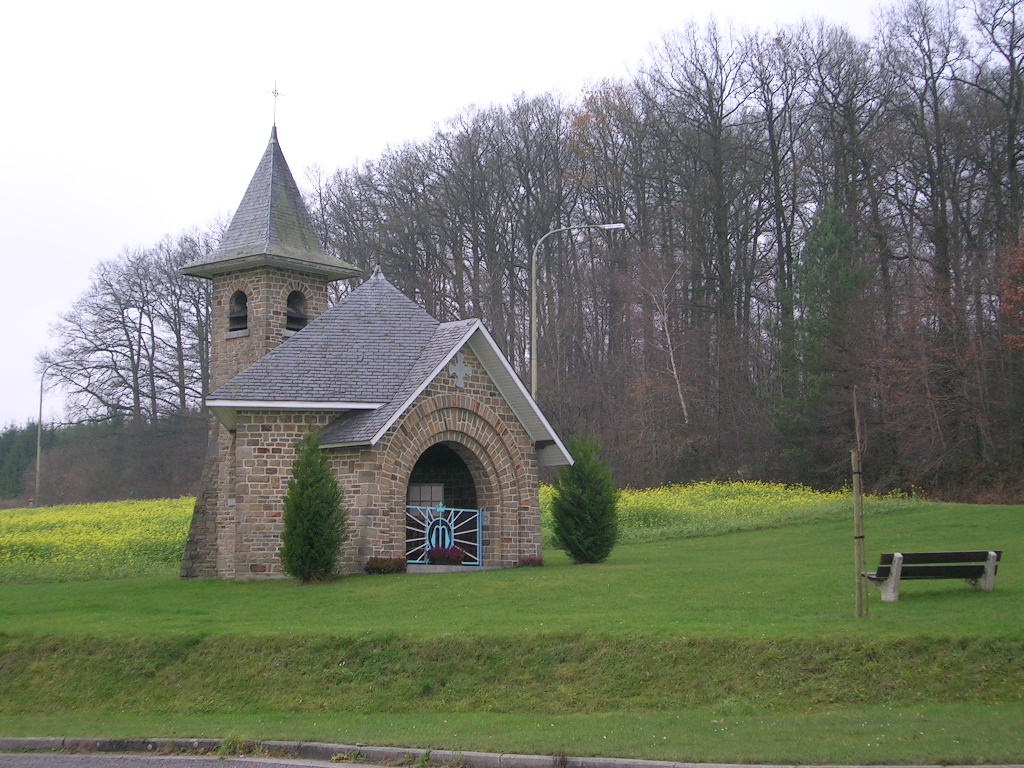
pixel 269 273
pixel 270 278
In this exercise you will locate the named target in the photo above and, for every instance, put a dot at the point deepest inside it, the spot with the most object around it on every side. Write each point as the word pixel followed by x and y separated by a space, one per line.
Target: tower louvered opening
pixel 238 311
pixel 297 316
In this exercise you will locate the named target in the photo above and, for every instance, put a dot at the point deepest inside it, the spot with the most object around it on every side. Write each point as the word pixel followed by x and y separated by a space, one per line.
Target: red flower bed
pixel 445 556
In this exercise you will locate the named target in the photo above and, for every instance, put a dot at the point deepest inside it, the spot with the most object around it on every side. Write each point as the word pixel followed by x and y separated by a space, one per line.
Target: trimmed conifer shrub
pixel 583 507
pixel 314 518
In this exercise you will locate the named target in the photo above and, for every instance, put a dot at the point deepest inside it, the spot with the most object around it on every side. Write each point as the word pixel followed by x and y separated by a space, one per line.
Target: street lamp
pixel 533 293
pixel 39 431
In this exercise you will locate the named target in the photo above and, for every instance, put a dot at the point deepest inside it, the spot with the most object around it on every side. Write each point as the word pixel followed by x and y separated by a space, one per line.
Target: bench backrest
pixel 918 558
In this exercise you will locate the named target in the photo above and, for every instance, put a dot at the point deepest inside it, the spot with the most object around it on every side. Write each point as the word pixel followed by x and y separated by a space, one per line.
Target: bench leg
pixel 988 579
pixel 890 587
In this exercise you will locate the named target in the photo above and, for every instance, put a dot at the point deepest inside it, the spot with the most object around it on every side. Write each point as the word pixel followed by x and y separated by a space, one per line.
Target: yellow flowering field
pixel 134 538
pixel 83 541
pixel 710 508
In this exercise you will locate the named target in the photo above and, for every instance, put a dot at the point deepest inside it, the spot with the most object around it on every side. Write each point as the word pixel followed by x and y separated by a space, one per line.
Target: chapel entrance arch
pixel 443 504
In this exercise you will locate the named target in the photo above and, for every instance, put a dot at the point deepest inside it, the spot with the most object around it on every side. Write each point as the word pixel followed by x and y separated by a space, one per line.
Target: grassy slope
pixel 736 647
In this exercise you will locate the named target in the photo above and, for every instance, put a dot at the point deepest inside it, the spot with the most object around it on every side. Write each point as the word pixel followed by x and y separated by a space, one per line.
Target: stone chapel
pixel 432 437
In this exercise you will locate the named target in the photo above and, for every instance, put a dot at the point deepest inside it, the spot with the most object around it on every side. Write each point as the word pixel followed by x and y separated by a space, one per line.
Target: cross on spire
pixel 275 94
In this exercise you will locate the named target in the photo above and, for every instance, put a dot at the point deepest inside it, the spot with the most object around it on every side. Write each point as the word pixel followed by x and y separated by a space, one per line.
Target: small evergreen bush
pixel 583 507
pixel 314 519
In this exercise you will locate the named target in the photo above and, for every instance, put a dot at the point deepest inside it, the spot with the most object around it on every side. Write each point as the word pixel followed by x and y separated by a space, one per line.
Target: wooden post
pixel 858 516
pixel 858 534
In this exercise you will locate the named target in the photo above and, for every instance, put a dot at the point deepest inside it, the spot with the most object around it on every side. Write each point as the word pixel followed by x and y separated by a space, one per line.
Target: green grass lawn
pixel 794 581
pixel 735 647
pixel 933 734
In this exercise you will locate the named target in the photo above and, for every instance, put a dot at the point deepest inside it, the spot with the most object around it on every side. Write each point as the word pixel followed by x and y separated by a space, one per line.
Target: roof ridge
pixel 272 147
pixel 412 368
pixel 428 363
pixel 377 280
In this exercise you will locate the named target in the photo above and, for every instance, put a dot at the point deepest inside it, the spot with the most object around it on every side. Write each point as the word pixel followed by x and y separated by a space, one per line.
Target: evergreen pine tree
pixel 585 524
pixel 812 409
pixel 314 518
pixel 17 452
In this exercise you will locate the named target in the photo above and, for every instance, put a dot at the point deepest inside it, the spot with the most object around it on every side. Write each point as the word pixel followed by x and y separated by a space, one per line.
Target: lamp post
pixel 533 293
pixel 39 432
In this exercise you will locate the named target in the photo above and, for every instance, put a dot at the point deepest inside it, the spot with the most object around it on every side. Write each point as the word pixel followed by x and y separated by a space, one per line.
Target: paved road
pixel 93 760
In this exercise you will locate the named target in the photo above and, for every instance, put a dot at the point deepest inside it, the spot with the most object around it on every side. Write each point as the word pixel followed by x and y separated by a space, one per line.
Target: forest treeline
pixel 807 213
pixel 103 461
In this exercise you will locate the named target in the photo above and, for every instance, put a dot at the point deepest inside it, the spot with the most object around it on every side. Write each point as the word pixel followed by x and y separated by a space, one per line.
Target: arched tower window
pixel 297 318
pixel 238 311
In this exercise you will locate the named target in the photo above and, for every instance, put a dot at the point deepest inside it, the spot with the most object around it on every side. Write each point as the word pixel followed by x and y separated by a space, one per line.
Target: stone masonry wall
pixel 252 466
pixel 473 420
pixel 265 445
pixel 476 422
pixel 200 557
pixel 210 548
pixel 267 290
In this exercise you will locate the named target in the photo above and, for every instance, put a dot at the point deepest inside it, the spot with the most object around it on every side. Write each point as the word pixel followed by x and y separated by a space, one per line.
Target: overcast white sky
pixel 123 122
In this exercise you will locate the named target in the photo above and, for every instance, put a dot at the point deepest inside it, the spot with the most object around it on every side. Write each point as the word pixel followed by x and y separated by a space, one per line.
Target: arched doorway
pixel 441 506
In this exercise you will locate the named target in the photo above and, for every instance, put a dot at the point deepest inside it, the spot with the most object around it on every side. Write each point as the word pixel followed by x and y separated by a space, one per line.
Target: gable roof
pixel 359 351
pixel 271 226
pixel 359 427
pixel 366 427
pixel 370 356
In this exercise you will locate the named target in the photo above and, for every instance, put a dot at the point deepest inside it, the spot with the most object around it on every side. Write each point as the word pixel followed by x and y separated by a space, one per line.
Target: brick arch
pixel 489 450
pixel 307 288
pixel 315 299
pixel 246 283
pixel 484 489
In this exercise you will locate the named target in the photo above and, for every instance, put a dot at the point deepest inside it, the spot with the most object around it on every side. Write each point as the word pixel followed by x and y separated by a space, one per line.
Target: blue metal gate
pixel 440 526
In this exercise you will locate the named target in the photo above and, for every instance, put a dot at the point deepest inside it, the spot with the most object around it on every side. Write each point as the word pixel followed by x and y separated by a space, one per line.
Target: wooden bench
pixel 976 567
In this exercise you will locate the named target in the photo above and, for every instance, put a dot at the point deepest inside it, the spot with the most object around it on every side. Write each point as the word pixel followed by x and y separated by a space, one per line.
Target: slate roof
pixel 360 351
pixel 271 226
pixel 361 426
pixel 369 357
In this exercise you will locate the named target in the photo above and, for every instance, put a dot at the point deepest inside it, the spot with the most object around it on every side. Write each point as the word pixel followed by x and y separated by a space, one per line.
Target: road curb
pixel 342 753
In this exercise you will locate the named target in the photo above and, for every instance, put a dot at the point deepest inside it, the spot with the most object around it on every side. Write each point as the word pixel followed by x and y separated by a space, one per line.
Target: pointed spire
pixel 271 226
